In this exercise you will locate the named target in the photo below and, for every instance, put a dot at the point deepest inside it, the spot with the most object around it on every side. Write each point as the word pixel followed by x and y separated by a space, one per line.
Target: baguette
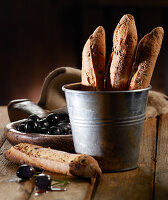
pixel 124 46
pixel 145 59
pixel 54 160
pixel 93 61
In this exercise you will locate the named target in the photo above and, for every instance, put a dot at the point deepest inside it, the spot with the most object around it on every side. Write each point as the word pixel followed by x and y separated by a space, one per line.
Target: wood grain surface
pixel 148 181
pixel 11 189
pixel 161 178
pixel 135 184
pixel 77 189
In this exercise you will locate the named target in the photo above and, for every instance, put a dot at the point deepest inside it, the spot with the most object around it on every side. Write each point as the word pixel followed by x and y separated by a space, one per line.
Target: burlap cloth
pixel 52 97
pixel 157 104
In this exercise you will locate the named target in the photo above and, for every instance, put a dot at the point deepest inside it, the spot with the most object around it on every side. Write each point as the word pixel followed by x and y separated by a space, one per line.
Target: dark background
pixel 37 36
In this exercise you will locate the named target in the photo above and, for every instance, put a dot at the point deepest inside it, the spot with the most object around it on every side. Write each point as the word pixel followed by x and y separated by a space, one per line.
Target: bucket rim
pixel 67 88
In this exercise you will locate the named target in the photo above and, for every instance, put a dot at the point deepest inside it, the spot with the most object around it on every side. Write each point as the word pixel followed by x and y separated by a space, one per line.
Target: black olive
pixel 38 127
pixel 43 122
pixel 25 171
pixel 54 130
pixel 30 126
pixel 21 127
pixel 65 127
pixel 45 130
pixel 52 119
pixel 34 117
pixel 43 182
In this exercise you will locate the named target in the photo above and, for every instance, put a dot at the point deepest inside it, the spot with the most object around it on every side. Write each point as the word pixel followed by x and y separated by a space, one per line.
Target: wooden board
pixel 80 189
pixel 11 189
pixel 135 184
pixel 77 189
pixel 161 178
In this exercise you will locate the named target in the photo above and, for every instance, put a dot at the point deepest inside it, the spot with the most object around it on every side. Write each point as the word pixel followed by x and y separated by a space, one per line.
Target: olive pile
pixel 51 125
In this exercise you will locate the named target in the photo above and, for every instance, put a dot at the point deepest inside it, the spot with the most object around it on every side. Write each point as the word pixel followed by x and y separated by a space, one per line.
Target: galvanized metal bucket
pixel 107 124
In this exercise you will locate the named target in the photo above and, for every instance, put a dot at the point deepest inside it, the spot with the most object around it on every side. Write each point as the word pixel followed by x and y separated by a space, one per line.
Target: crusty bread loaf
pixel 54 160
pixel 145 59
pixel 124 46
pixel 93 61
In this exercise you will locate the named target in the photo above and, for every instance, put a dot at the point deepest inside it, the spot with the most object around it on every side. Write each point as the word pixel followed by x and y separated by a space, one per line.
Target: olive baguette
pixel 93 61
pixel 122 57
pixel 54 160
pixel 145 59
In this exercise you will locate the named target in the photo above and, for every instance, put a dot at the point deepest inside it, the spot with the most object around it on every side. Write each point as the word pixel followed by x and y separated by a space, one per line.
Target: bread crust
pixel 145 59
pixel 54 160
pixel 93 61
pixel 124 46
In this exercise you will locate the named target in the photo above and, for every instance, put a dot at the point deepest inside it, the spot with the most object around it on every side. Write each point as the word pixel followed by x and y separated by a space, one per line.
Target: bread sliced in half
pixel 93 61
pixel 145 59
pixel 122 57
pixel 53 160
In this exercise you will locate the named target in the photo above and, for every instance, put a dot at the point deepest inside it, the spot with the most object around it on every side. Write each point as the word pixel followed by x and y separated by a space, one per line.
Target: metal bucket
pixel 107 124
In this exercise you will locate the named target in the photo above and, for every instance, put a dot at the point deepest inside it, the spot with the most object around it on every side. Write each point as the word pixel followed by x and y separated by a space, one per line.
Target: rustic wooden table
pixel 148 181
